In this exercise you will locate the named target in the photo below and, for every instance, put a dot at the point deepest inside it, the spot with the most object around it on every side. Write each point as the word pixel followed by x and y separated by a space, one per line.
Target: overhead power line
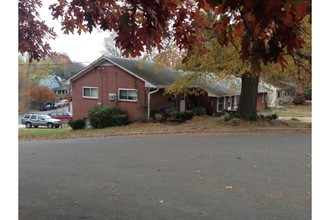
pixel 51 64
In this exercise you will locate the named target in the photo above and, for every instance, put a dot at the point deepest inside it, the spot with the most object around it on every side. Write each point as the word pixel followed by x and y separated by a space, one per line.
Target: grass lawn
pixel 290 110
pixel 200 124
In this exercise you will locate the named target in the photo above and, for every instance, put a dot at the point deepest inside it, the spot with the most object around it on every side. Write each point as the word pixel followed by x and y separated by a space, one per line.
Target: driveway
pixel 167 177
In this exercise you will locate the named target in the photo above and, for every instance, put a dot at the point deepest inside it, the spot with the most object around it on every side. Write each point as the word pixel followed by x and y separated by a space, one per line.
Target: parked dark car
pixel 48 107
pixel 64 116
pixel 36 120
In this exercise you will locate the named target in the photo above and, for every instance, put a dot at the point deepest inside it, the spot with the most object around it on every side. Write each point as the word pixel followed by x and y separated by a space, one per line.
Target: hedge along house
pixel 132 85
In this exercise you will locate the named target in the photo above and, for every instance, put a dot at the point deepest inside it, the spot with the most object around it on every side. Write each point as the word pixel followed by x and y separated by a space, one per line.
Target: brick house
pixel 133 85
pixel 138 87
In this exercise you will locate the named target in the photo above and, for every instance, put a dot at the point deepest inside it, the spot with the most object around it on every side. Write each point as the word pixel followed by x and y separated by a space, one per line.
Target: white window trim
pixel 90 97
pixel 127 100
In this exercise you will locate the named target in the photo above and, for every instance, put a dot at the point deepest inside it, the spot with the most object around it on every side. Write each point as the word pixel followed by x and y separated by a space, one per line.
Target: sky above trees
pixel 73 45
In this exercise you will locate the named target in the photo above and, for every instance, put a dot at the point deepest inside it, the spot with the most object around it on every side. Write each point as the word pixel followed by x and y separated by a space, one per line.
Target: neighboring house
pixel 138 87
pixel 55 83
pixel 64 89
pixel 279 94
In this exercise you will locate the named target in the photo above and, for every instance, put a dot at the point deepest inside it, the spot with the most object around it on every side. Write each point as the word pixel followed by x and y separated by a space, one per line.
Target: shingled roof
pixel 152 74
pixel 227 86
pixel 156 76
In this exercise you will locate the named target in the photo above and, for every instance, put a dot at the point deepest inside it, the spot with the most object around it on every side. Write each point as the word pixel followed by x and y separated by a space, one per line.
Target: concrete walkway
pixel 303 119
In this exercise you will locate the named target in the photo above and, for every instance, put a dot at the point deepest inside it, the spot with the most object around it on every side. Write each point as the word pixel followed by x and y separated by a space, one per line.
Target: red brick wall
pixel 160 100
pixel 260 104
pixel 109 79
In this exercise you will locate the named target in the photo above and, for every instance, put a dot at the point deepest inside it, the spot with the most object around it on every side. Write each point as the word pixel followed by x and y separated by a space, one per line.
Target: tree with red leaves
pixel 41 94
pixel 263 31
pixel 33 33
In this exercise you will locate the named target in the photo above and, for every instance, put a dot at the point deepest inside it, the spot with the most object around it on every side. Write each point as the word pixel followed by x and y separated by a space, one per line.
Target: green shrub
pixel 189 115
pixel 272 117
pixel 77 124
pixel 299 100
pixel 198 110
pixel 226 117
pixel 235 121
pixel 181 116
pixel 105 116
pixel 159 117
pixel 120 120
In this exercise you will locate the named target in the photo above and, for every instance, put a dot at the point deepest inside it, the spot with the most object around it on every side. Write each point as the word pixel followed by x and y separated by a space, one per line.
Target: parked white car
pixel 36 120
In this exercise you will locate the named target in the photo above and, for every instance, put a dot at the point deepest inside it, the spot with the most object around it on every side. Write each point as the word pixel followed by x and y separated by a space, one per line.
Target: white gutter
pixel 152 92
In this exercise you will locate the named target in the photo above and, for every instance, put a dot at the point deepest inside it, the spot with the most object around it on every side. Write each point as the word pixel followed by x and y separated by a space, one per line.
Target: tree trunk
pixel 247 107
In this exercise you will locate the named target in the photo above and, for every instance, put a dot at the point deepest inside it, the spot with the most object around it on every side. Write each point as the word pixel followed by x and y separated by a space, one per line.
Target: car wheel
pixel 49 125
pixel 57 126
pixel 28 125
pixel 36 126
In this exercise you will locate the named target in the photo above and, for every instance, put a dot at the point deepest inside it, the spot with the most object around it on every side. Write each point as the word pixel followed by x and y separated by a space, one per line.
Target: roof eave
pixel 87 69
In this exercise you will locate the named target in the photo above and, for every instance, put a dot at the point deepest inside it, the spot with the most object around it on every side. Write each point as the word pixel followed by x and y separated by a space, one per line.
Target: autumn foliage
pixel 33 33
pixel 265 30
pixel 41 94
pixel 262 32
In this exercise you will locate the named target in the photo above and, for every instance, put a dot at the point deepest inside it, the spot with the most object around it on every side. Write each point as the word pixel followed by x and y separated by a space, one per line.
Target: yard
pixel 290 110
pixel 199 124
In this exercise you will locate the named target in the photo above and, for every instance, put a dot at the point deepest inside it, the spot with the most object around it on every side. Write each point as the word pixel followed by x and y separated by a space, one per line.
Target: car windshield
pixel 46 116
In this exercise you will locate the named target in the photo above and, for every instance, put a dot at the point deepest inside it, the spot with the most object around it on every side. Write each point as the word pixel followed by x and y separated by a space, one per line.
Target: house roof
pixel 280 85
pixel 51 81
pixel 228 86
pixel 153 75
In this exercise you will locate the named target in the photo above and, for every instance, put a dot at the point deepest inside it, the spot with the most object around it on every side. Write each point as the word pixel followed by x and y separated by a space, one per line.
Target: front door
pixel 182 103
pixel 173 101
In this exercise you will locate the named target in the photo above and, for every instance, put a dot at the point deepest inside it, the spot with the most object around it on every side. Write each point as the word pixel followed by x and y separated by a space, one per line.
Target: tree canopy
pixel 263 32
pixel 265 29
pixel 33 33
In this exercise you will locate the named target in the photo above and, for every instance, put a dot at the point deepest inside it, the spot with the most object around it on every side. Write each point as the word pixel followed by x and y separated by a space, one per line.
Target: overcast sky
pixel 80 48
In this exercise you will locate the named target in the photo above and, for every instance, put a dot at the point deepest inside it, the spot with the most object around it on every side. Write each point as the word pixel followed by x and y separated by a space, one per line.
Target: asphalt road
pixel 167 177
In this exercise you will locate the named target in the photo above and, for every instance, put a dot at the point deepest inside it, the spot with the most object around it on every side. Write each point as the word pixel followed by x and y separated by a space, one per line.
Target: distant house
pixel 138 87
pixel 56 84
pixel 279 93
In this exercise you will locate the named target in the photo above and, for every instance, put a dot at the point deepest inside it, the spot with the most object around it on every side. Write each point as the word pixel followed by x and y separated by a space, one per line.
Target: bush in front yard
pixel 299 100
pixel 120 120
pixel 181 116
pixel 272 117
pixel 234 121
pixel 77 124
pixel 105 116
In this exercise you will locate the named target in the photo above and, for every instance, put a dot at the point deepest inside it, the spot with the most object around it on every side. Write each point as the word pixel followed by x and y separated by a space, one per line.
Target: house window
pixel 90 92
pixel 220 104
pixel 128 94
pixel 229 102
